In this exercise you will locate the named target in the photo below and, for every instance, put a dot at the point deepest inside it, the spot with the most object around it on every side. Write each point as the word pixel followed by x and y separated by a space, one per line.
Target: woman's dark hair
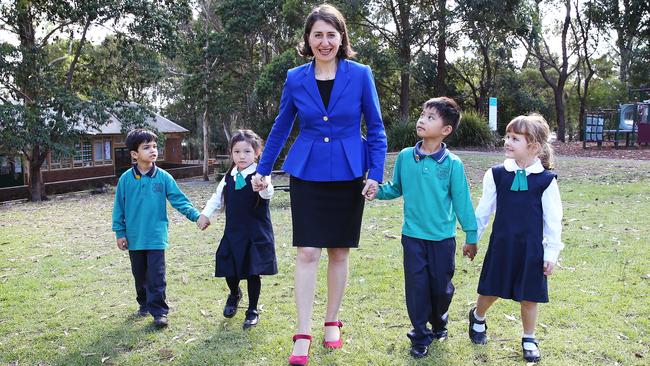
pixel 138 136
pixel 333 17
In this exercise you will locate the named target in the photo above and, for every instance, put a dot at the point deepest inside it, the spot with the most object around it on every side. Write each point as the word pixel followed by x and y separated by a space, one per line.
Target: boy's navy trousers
pixel 148 267
pixel 428 269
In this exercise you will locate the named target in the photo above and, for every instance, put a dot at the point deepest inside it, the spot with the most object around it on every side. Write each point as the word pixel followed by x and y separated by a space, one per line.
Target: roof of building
pixel 162 124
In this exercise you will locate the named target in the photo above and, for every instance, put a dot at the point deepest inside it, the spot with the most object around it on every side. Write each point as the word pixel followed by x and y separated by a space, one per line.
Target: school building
pixel 100 157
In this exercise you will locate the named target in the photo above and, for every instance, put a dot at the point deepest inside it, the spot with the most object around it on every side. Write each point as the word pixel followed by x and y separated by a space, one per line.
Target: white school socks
pixel 478 327
pixel 529 346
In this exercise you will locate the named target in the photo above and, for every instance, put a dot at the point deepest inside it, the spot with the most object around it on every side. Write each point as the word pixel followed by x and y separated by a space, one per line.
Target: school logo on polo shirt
pixel 443 173
pixel 157 187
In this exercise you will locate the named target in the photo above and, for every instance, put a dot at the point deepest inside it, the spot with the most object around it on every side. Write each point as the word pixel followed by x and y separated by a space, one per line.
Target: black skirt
pixel 326 214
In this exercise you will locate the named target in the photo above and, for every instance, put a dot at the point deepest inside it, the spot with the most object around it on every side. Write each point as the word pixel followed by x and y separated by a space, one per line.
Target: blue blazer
pixel 330 146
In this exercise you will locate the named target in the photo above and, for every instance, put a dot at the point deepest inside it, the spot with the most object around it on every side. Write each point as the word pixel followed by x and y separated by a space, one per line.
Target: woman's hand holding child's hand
pixel 370 189
pixel 469 250
pixel 203 222
pixel 259 182
pixel 548 268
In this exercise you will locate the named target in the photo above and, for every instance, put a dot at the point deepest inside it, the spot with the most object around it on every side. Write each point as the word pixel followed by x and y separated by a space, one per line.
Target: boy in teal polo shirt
pixel 436 194
pixel 140 221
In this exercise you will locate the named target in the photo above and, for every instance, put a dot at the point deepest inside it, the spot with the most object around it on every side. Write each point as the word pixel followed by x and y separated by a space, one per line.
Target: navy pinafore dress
pixel 247 247
pixel 513 265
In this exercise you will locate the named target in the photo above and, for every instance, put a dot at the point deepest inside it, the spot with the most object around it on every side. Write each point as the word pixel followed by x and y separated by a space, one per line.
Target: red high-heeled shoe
pixel 300 360
pixel 338 343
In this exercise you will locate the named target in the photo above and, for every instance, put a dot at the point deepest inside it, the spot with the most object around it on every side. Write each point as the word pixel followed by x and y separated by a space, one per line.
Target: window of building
pixel 83 154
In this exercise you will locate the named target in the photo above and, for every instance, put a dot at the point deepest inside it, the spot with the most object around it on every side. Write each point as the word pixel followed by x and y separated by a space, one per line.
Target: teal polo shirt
pixel 436 194
pixel 140 208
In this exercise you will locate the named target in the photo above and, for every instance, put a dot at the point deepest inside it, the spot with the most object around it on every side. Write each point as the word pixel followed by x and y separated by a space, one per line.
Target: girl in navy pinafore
pixel 525 241
pixel 247 248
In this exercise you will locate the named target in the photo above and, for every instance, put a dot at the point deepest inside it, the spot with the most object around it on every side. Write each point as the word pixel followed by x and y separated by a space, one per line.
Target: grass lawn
pixel 66 291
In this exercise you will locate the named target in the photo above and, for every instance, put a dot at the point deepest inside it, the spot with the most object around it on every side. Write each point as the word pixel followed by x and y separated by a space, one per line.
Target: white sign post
pixel 492 114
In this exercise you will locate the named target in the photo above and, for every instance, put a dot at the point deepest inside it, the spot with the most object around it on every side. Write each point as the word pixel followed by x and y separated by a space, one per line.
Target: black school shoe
pixel 231 304
pixel 142 312
pixel 440 335
pixel 160 321
pixel 531 355
pixel 476 337
pixel 252 318
pixel 419 351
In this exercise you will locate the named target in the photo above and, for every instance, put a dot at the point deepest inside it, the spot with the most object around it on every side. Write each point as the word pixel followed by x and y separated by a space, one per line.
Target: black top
pixel 325 89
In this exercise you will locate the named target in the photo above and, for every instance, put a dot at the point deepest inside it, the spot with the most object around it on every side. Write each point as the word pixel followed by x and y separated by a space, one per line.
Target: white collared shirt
pixel 551 208
pixel 216 201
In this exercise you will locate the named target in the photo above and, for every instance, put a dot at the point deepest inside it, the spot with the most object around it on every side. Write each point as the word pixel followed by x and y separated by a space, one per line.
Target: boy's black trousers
pixel 148 267
pixel 428 269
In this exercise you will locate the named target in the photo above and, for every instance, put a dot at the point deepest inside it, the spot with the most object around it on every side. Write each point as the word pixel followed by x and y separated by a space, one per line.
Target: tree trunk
pixel 560 110
pixel 27 80
pixel 441 66
pixel 206 76
pixel 405 78
pixel 206 176
pixel 36 185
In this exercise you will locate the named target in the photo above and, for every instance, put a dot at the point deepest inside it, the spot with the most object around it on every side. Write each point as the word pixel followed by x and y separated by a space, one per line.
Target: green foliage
pixel 401 135
pixel 473 130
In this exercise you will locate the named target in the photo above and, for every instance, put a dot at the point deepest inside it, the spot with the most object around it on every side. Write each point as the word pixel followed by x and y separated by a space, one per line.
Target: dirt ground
pixel 606 151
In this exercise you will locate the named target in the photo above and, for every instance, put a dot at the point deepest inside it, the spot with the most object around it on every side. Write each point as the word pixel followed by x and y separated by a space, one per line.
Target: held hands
pixel 203 222
pixel 469 250
pixel 259 182
pixel 370 189
pixel 122 244
pixel 548 268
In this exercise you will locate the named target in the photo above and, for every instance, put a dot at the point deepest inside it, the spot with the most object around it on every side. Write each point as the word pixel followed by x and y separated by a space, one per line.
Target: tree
pixel 406 26
pixel 560 65
pixel 588 42
pixel 492 39
pixel 630 19
pixel 43 111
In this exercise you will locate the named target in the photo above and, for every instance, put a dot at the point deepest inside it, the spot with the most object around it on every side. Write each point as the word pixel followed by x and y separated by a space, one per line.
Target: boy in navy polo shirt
pixel 436 194
pixel 140 221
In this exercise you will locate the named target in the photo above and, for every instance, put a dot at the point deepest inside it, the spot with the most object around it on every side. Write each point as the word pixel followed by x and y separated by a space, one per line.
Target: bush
pixel 472 131
pixel 401 135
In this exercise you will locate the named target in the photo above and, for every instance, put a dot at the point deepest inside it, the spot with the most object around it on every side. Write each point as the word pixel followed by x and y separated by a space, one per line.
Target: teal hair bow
pixel 240 182
pixel 520 183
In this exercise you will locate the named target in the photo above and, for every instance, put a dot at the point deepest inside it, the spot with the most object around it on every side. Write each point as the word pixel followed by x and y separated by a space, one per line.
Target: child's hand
pixel 203 222
pixel 259 182
pixel 548 268
pixel 469 250
pixel 122 244
pixel 370 189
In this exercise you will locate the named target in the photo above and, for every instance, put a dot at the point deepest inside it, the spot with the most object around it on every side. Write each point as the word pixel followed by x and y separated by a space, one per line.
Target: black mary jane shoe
pixel 252 318
pixel 474 336
pixel 231 304
pixel 531 355
pixel 419 351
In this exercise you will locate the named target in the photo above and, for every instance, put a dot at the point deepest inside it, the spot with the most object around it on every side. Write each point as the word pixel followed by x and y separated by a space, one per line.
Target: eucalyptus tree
pixel 41 109
pixel 630 22
pixel 407 27
pixel 555 68
pixel 491 38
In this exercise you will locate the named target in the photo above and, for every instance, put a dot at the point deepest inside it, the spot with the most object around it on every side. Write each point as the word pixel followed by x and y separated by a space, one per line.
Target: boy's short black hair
pixel 447 109
pixel 137 137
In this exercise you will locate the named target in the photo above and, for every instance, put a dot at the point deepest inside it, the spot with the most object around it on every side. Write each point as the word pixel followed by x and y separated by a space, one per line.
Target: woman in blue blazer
pixel 327 163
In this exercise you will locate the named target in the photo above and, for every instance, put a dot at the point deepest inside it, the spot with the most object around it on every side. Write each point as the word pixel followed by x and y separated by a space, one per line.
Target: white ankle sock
pixel 529 346
pixel 478 327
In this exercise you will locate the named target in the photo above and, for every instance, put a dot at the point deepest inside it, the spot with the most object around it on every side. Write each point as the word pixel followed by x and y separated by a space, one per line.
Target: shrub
pixel 472 131
pixel 401 135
